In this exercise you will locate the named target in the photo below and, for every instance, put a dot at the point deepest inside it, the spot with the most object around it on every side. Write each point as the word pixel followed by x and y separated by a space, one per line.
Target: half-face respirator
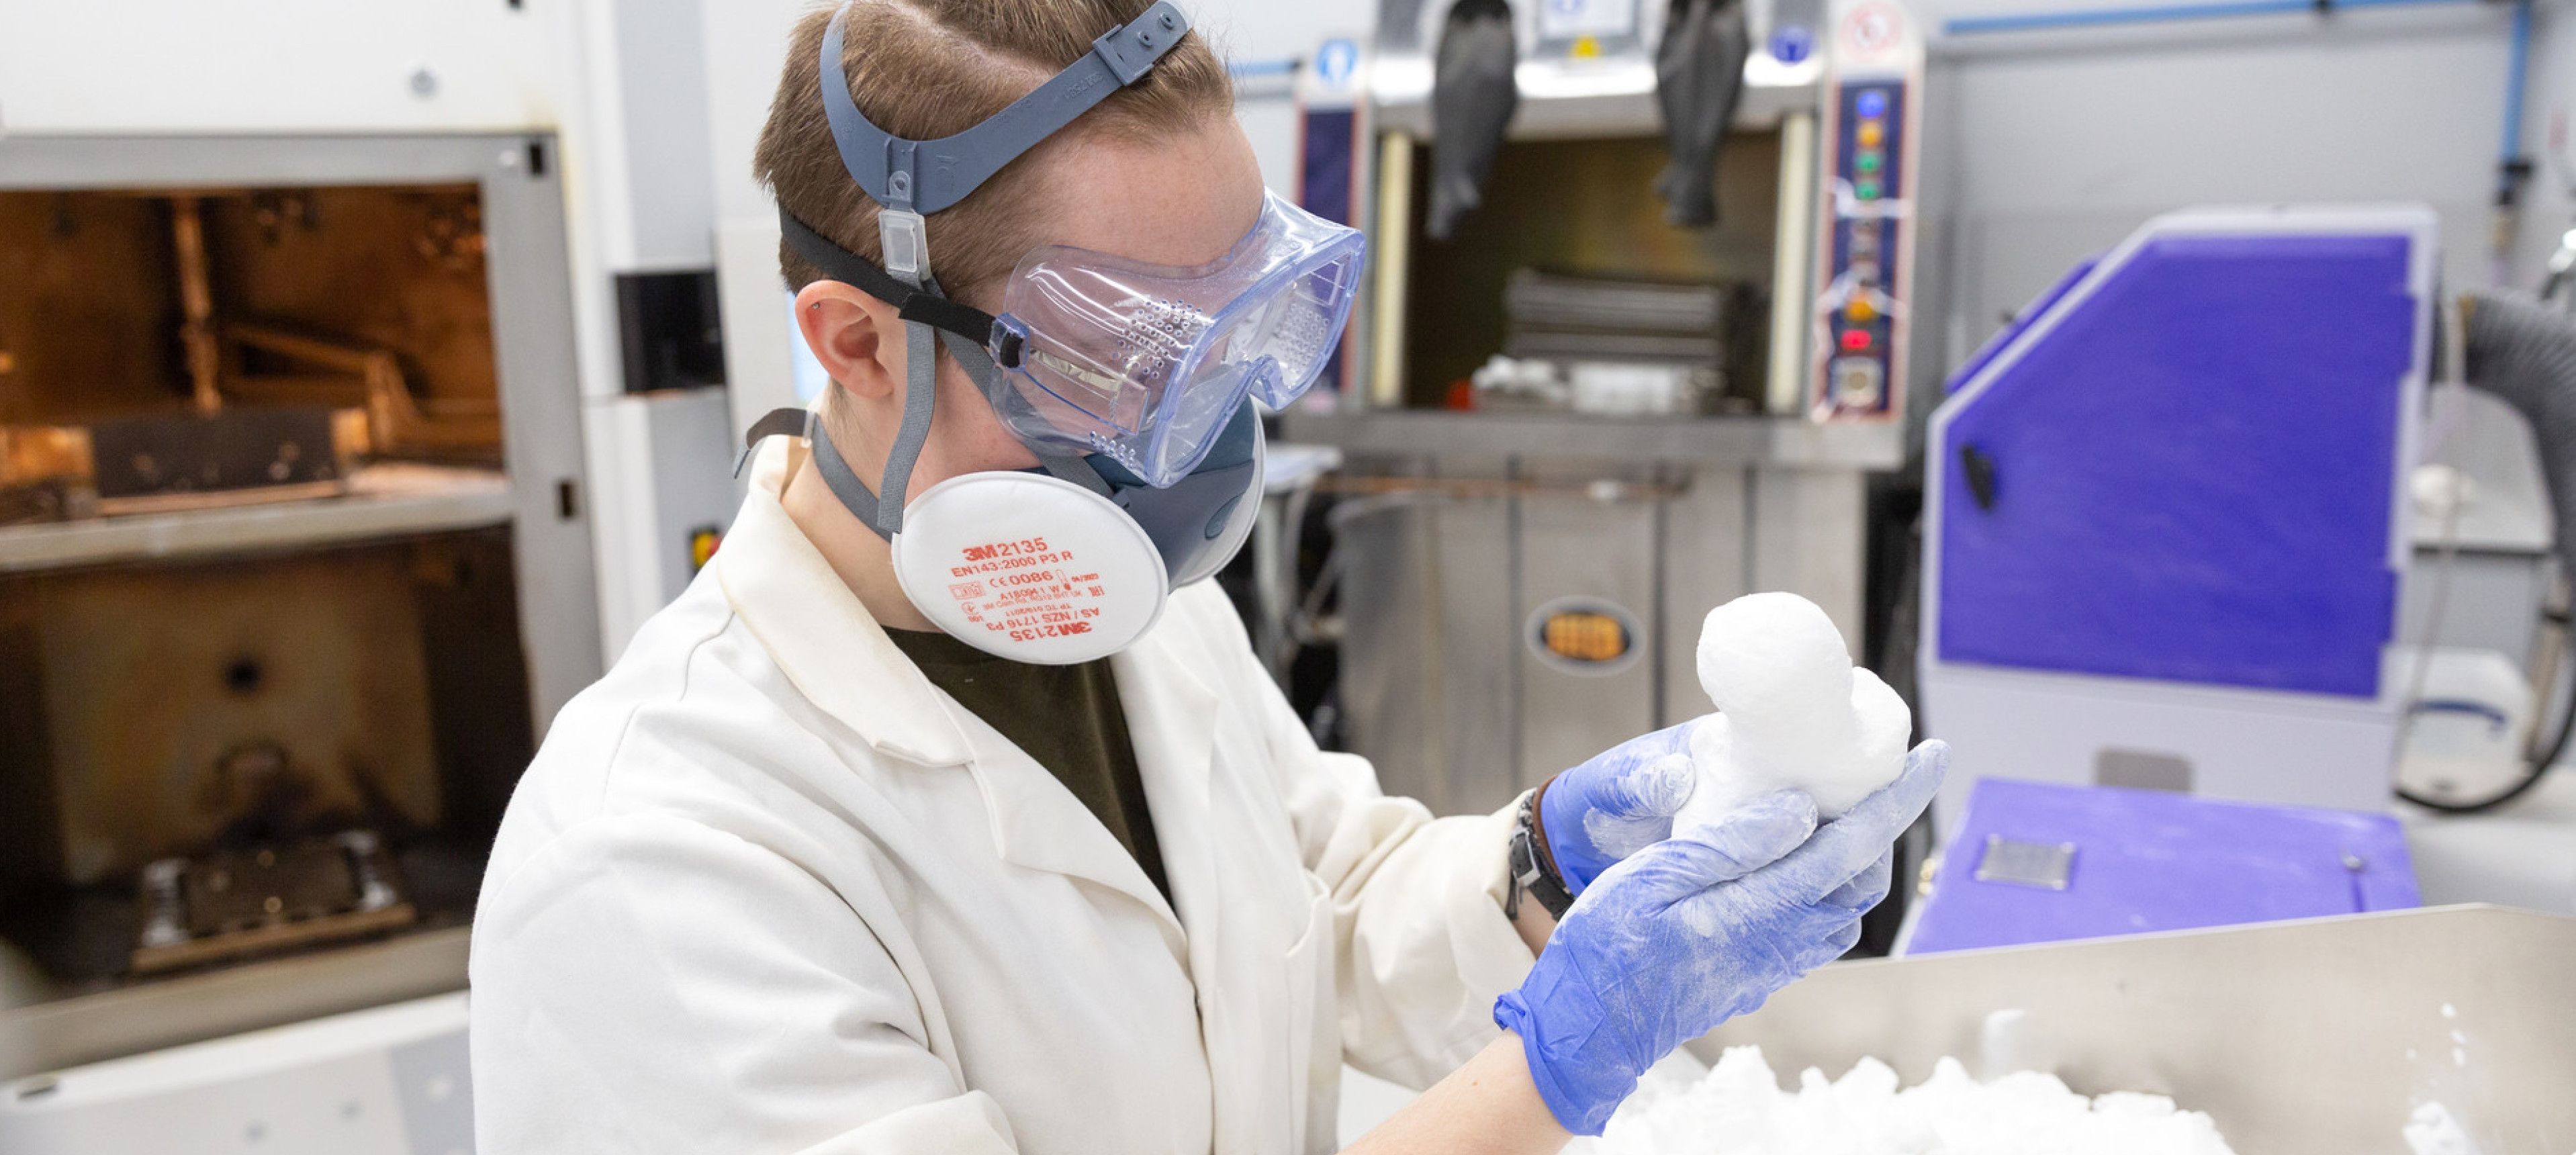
pixel 1132 383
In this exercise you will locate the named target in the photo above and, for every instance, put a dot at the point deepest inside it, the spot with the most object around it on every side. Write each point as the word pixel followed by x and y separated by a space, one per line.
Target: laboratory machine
pixel 2168 515
pixel 297 567
pixel 358 391
pixel 1620 380
pixel 2198 520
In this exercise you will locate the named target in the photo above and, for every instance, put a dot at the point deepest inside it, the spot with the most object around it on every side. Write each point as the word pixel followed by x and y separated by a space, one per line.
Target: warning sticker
pixel 1025 590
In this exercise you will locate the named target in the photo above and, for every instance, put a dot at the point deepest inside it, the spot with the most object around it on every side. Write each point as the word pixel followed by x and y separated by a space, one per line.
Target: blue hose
pixel 2516 80
pixel 1252 69
pixel 2510 166
pixel 2169 13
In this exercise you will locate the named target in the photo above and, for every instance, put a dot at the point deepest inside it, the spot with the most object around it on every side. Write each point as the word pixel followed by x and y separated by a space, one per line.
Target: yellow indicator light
pixel 1585 637
pixel 1586 48
pixel 1860 311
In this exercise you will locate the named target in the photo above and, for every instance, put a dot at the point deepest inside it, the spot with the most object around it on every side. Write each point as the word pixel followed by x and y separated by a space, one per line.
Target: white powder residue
pixel 1618 838
pixel 2433 1131
pixel 1739 1109
pixel 1792 712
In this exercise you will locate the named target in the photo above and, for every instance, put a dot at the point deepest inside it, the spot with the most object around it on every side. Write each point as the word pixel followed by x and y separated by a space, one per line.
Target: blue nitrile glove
pixel 1618 803
pixel 1689 933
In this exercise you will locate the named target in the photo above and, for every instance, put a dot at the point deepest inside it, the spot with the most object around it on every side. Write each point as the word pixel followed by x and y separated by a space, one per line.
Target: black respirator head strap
pixel 924 306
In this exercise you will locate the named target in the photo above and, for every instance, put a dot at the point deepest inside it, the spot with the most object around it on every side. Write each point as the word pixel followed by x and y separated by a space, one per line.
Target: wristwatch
pixel 1533 867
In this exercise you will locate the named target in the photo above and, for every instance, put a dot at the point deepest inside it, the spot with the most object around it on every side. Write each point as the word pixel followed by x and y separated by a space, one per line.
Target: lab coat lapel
pixel 1171 718
pixel 1039 824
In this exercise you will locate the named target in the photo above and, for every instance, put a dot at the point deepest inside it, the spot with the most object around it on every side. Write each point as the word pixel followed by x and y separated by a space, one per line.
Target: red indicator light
pixel 1855 340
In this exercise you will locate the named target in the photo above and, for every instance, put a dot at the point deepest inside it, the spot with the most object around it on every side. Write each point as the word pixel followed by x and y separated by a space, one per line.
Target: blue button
pixel 1334 62
pixel 1873 102
pixel 1791 44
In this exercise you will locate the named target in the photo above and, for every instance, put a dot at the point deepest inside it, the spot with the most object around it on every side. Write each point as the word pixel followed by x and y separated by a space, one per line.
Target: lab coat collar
pixel 818 633
pixel 840 658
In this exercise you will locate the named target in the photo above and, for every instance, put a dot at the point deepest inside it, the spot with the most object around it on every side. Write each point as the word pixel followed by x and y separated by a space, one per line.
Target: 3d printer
pixel 293 566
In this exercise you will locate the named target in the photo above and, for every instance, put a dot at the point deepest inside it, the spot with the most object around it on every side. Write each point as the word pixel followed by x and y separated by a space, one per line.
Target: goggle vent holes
pixel 1158 332
pixel 1162 325
pixel 1119 451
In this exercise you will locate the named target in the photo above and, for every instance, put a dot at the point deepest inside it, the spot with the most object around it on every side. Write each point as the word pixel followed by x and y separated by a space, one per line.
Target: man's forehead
pixel 1183 201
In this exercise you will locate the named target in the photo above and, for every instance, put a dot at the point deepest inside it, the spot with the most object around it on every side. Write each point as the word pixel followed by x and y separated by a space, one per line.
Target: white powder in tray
pixel 1739 1109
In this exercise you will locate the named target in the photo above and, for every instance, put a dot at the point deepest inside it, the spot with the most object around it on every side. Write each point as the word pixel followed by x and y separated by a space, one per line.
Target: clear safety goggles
pixel 1145 363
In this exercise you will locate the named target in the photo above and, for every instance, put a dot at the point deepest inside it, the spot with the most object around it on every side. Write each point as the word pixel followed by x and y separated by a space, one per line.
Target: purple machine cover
pixel 2191 471
pixel 2150 860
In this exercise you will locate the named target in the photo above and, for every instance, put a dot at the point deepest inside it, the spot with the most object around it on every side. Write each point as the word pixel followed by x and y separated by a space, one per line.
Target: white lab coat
pixel 766 889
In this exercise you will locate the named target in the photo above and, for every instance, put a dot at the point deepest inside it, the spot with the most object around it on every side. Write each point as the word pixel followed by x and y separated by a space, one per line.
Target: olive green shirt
pixel 1066 717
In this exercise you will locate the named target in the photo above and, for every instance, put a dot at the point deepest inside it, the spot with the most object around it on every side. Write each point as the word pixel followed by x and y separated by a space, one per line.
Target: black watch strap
pixel 1532 873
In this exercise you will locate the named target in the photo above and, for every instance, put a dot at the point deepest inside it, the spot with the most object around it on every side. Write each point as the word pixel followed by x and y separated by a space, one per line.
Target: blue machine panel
pixel 2139 861
pixel 2187 476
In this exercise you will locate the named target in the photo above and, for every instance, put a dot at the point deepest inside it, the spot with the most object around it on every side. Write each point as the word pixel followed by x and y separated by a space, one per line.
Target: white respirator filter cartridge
pixel 1028 567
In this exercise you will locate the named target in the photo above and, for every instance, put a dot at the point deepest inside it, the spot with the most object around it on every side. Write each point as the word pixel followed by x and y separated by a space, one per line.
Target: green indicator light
pixel 1867 161
pixel 1866 190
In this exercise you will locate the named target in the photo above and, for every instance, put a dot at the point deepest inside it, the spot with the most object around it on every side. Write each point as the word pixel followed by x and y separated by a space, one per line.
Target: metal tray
pixel 2316 1037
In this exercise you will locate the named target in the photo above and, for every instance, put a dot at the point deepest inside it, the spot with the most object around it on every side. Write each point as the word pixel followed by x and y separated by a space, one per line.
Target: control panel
pixel 1865 242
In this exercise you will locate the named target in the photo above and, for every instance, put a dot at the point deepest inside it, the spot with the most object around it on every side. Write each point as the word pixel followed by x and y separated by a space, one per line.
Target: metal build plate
pixel 2045 865
pixel 243 448
pixel 229 892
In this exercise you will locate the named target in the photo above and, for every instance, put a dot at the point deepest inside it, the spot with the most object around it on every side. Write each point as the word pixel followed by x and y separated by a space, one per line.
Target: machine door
pixel 2183 468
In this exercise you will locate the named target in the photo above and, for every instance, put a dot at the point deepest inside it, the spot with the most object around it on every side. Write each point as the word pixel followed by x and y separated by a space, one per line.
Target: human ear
pixel 849 333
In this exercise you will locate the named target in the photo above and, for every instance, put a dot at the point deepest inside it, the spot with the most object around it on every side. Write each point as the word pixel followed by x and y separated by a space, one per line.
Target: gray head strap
pixel 920 401
pixel 863 504
pixel 925 176
pixel 920 394
pixel 775 423
pixel 854 494
pixel 844 484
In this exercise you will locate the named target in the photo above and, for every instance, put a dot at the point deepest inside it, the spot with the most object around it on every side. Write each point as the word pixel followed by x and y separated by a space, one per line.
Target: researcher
pixel 949 810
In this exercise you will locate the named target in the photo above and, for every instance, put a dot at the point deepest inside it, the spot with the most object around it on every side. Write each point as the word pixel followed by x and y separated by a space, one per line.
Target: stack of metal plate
pixel 1569 319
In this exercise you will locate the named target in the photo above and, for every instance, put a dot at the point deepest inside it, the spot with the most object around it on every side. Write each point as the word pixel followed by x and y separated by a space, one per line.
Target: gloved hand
pixel 1691 932
pixel 1618 803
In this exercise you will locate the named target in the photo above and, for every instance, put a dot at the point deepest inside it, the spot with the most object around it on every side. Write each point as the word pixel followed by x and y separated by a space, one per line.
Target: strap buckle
pixel 906 240
pixel 1131 50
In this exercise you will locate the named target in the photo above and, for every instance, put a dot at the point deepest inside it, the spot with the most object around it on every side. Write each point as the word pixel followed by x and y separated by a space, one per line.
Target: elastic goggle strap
pixel 911 303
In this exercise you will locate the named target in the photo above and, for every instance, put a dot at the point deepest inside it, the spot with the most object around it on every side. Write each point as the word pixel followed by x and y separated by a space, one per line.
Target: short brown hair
pixel 925 69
